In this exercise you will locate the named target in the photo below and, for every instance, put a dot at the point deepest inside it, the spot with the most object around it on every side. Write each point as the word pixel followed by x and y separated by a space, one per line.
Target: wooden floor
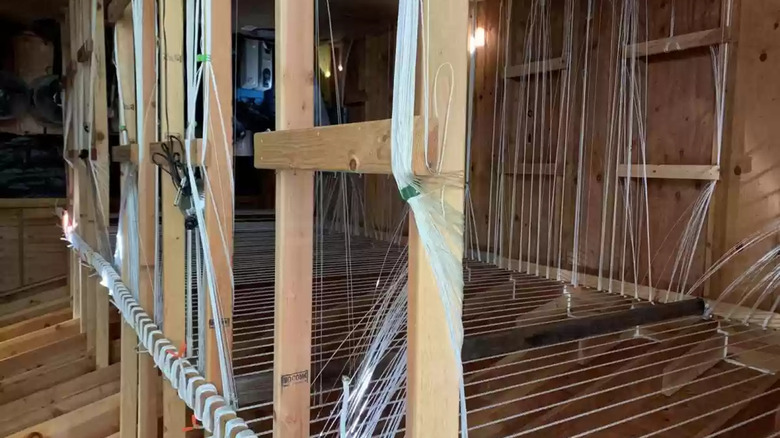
pixel 48 382
pixel 681 377
pixel 673 378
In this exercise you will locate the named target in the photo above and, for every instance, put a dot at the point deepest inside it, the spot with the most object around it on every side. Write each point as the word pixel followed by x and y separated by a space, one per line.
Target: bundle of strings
pixel 198 39
pixel 762 275
pixel 368 397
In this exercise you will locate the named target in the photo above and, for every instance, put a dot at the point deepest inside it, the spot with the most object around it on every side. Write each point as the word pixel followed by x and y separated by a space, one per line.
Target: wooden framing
pixel 354 147
pixel 219 202
pixel 679 43
pixel 128 417
pixel 146 98
pixel 89 176
pixel 294 223
pixel 432 381
pixel 171 15
pixel 671 171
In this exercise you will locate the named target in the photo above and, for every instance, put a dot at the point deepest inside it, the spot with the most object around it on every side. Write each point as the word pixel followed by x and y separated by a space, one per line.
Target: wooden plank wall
pixel 751 164
pixel 680 127
pixel 31 246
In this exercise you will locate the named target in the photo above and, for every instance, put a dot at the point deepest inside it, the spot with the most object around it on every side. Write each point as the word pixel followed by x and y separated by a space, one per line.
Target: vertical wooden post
pixel 148 378
pixel 128 415
pixel 101 165
pixel 66 33
pixel 172 120
pixel 219 210
pixel 294 223
pixel 432 379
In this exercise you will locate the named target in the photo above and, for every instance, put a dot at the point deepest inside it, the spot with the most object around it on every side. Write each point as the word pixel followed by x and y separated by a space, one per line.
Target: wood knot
pixel 353 163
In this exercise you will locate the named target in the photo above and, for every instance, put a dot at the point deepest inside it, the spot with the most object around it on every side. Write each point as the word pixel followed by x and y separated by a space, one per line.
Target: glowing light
pixel 341 67
pixel 327 74
pixel 67 225
pixel 477 40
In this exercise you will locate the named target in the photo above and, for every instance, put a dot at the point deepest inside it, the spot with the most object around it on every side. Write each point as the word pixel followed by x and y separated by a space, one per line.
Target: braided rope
pixel 202 397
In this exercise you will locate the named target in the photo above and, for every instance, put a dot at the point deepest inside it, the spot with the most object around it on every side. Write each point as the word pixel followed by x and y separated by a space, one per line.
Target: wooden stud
pixel 148 378
pixel 128 416
pixel 354 147
pixel 433 407
pixel 174 260
pixel 101 165
pixel 218 161
pixel 294 224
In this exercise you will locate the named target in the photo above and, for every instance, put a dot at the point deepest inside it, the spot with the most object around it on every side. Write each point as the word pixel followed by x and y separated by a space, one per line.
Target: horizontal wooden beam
pixel 353 147
pixel 573 329
pixel 671 171
pixel 678 43
pixel 129 152
pixel 535 68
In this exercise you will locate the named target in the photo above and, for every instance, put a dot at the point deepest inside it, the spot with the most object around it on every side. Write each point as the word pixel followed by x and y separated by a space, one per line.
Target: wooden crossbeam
pixel 535 68
pixel 572 329
pixel 678 43
pixel 354 147
pixel 671 171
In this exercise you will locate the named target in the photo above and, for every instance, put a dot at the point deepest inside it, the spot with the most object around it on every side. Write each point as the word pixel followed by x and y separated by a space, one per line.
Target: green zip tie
pixel 122 127
pixel 408 193
pixel 203 58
